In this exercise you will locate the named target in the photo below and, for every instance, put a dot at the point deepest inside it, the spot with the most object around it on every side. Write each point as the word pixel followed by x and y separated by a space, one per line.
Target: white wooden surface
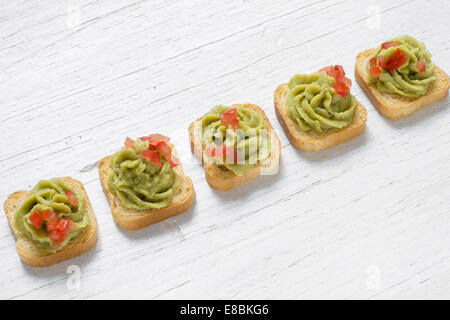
pixel 367 219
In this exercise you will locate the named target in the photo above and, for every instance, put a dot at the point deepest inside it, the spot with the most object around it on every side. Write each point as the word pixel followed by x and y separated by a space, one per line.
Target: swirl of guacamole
pixel 410 79
pixel 313 103
pixel 50 195
pixel 140 183
pixel 249 141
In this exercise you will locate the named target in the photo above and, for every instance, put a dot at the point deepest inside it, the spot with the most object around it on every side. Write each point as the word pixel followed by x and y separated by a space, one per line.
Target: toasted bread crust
pixel 223 179
pixel 316 141
pixel 394 106
pixel 132 219
pixel 37 257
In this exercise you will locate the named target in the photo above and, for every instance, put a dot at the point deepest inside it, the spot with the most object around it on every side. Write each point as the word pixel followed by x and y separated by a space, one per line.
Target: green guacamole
pixel 50 194
pixel 250 140
pixel 141 184
pixel 407 80
pixel 314 105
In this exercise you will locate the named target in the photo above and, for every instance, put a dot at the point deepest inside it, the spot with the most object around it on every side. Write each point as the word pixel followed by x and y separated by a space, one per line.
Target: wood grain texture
pixel 367 219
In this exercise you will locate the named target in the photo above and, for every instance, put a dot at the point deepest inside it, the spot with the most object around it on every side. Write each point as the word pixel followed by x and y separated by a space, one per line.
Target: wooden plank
pixel 367 219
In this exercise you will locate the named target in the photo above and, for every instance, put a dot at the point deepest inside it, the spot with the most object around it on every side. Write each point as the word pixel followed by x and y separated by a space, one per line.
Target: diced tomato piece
pixel 375 64
pixel 174 162
pixel 52 225
pixel 62 224
pixel 160 143
pixel 396 60
pixel 235 124
pixel 382 61
pixel 166 150
pixel 340 88
pixel 375 71
pixel 49 215
pixel 222 152
pixel 65 227
pixel 129 143
pixel 347 82
pixel 230 113
pixel 421 66
pixel 339 69
pixel 230 118
pixel 330 70
pixel 152 156
pixel 70 225
pixel 64 235
pixel 60 229
pixel 72 197
pixel 342 84
pixel 158 137
pixel 155 139
pixel 55 235
pixel 389 44
pixel 210 150
pixel 36 219
pixel 149 154
pixel 336 71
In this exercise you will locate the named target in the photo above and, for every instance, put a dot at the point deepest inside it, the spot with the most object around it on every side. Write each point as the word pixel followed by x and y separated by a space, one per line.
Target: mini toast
pixel 134 219
pixel 394 106
pixel 37 257
pixel 312 140
pixel 224 179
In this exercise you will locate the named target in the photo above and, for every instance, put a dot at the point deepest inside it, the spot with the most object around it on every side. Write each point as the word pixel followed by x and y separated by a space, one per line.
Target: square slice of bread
pixel 132 219
pixel 224 179
pixel 37 257
pixel 311 140
pixel 394 106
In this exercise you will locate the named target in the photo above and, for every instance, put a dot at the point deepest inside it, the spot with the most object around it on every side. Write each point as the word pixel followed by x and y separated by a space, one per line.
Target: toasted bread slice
pixel 394 106
pixel 224 179
pixel 132 219
pixel 37 257
pixel 311 140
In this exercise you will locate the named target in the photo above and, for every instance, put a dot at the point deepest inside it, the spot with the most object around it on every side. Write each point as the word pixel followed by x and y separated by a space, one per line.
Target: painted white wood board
pixel 367 219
